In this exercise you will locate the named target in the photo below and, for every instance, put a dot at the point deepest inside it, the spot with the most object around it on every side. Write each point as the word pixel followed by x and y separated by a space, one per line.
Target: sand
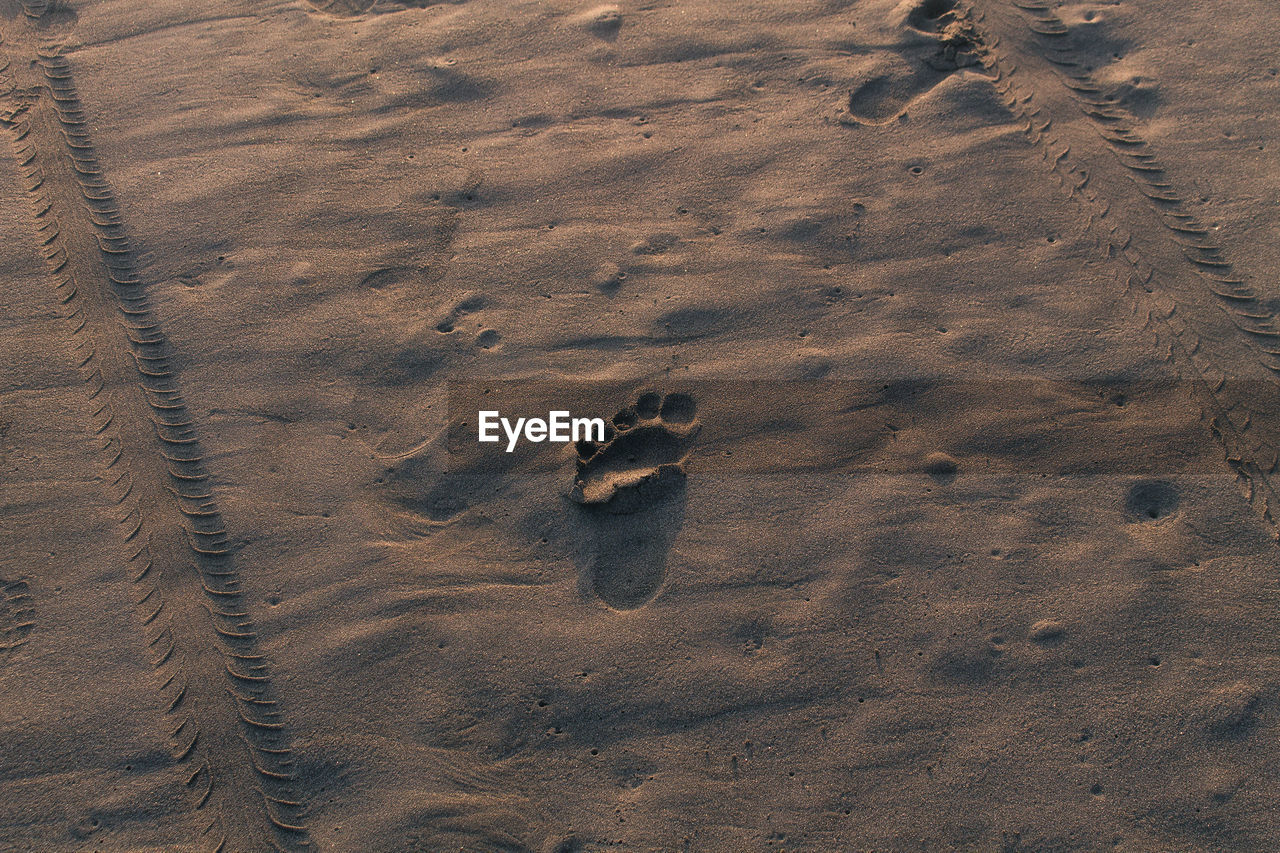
pixel 937 344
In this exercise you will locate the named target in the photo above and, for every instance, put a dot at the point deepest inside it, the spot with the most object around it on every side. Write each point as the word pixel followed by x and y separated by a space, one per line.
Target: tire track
pixel 17 615
pixel 341 8
pixel 183 732
pixel 225 725
pixel 35 9
pixel 1187 293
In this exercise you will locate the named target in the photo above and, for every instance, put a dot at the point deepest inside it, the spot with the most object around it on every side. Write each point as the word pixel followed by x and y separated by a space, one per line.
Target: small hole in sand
pixel 1152 500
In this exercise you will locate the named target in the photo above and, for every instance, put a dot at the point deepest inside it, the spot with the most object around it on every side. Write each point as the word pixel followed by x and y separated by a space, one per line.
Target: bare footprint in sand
pixel 650 441
pixel 632 492
pixel 935 42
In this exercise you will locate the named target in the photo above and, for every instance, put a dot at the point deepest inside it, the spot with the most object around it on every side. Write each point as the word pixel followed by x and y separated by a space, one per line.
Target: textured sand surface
pixel 941 337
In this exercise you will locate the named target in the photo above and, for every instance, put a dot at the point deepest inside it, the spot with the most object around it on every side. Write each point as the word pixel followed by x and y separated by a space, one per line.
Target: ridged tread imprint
pixel 153 471
pixel 17 614
pixel 1210 324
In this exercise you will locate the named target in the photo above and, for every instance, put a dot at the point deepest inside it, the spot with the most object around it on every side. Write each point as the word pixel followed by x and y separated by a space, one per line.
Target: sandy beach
pixel 933 351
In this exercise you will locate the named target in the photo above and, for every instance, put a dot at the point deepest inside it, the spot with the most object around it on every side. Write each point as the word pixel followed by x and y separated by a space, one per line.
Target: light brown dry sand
pixel 942 330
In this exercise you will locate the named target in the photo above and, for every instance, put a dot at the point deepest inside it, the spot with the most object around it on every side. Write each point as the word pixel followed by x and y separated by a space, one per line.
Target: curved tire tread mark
pixel 249 688
pixel 17 614
pixel 341 8
pixel 149 606
pixel 1202 313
